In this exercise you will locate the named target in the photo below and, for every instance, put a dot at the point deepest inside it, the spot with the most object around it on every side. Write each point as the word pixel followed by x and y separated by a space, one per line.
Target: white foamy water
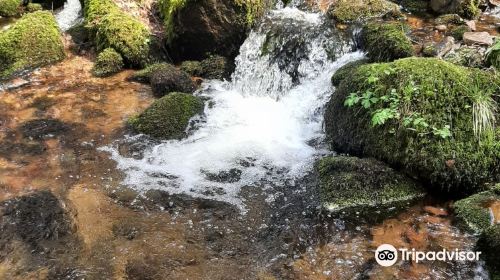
pixel 261 123
pixel 70 15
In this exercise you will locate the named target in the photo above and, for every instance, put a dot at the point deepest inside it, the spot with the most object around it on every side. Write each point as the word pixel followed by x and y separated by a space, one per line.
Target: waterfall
pixel 70 15
pixel 263 128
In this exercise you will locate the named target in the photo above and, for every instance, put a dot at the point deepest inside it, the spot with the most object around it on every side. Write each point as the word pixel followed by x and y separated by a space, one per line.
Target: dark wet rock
pixel 50 4
pixel 440 49
pixel 168 117
pixel 363 184
pixel 35 219
pixel 473 211
pixel 444 152
pixel 81 37
pixel 489 245
pixel 43 103
pixel 9 148
pixel 458 32
pixel 144 75
pixel 192 67
pixel 230 176
pixel 41 128
pixel 386 41
pixel 217 67
pixel 196 29
pixel 469 56
pixel 170 79
pixel 465 8
pixel 346 70
pixel 414 6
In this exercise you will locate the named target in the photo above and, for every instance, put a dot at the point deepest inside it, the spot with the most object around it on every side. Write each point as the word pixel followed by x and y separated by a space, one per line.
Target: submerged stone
pixel 168 117
pixel 362 184
pixel 38 129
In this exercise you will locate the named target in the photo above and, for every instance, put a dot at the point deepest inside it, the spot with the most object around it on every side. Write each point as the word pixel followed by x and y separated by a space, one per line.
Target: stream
pixel 237 199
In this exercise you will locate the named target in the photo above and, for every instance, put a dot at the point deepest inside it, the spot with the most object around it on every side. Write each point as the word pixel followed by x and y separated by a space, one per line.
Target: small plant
pixel 484 109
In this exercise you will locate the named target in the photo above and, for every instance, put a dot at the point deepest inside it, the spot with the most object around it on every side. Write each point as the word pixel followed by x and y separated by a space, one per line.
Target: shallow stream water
pixel 237 199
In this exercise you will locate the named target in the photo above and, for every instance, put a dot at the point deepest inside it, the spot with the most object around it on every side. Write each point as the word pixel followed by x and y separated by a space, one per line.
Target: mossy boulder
pixel 473 211
pixel 216 67
pixel 192 67
pixel 346 70
pixel 489 245
pixel 421 115
pixel 465 8
pixel 457 32
pixel 195 29
pixel 33 41
pixel 144 75
pixel 33 7
pixel 115 29
pixel 108 62
pixel 356 10
pixel 170 79
pixel 168 117
pixel 493 55
pixel 414 6
pixel 10 8
pixel 386 41
pixel 362 184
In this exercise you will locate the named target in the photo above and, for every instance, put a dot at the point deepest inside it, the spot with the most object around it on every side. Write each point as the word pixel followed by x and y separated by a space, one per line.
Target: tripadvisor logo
pixel 387 255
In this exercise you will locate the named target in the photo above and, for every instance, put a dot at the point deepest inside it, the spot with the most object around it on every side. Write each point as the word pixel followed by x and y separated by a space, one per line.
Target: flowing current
pixel 264 127
pixel 70 15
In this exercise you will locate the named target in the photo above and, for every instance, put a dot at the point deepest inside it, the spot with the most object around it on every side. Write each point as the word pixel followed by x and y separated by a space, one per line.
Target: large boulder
pixel 31 42
pixel 431 118
pixel 168 117
pixel 196 29
pixel 465 8
pixel 354 10
pixel 386 41
pixel 474 212
pixel 362 184
pixel 113 28
pixel 489 245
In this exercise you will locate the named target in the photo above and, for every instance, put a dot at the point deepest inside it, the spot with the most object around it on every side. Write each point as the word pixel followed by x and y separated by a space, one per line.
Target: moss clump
pixel 489 245
pixel 168 117
pixel 386 41
pixel 33 41
pixel 346 70
pixel 33 7
pixel 171 79
pixel 470 9
pixel 449 19
pixel 415 6
pixel 352 10
pixel 418 114
pixel 144 75
pixel 115 29
pixel 457 32
pixel 350 182
pixel 193 68
pixel 473 211
pixel 493 55
pixel 10 8
pixel 108 62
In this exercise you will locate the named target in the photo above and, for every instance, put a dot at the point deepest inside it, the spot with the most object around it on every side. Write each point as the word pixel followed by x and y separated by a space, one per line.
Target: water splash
pixel 261 127
pixel 70 15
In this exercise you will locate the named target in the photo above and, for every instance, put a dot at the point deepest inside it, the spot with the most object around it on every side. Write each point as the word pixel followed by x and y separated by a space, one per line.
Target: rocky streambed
pixel 252 162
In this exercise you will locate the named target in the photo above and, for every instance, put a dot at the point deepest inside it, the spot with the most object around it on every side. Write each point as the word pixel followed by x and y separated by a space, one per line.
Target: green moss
pixel 469 9
pixel 449 19
pixel 354 10
pixel 115 29
pixel 415 6
pixel 457 32
pixel 216 67
pixel 169 116
pixel 346 70
pixel 429 50
pixel 108 62
pixel 10 8
pixel 489 245
pixel 473 211
pixel 193 68
pixel 33 41
pixel 349 182
pixel 493 55
pixel 33 7
pixel 144 75
pixel 386 41
pixel 468 56
pixel 417 114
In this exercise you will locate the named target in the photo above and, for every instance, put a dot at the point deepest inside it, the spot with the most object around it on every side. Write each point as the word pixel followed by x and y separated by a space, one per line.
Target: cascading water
pixel 69 15
pixel 264 126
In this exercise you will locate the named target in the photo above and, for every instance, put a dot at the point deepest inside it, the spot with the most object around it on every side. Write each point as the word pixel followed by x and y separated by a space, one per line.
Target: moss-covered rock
pixel 10 8
pixel 473 211
pixel 195 29
pixel 361 184
pixel 216 67
pixel 108 62
pixel 144 75
pixel 414 6
pixel 421 115
pixel 469 56
pixel 169 79
pixel 32 41
pixel 457 32
pixel 192 67
pixel 355 10
pixel 386 41
pixel 115 29
pixel 493 55
pixel 168 117
pixel 346 70
pixel 33 7
pixel 489 245
pixel 465 8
